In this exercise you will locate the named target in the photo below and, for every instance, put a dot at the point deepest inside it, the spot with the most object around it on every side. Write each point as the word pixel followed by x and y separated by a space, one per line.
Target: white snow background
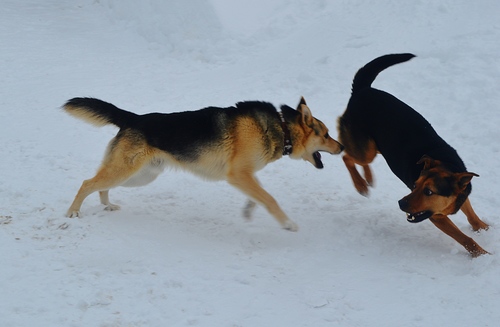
pixel 179 252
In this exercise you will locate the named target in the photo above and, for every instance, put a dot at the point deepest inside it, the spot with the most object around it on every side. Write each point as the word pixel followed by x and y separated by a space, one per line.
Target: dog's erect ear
pixel 301 102
pixel 304 110
pixel 428 162
pixel 463 179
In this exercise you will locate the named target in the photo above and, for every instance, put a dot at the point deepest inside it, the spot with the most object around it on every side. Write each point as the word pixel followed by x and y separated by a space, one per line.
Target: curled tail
pixel 98 112
pixel 367 74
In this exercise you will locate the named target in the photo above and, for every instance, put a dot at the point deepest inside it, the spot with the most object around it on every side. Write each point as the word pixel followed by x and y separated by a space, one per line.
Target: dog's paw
pixel 479 252
pixel 73 214
pixel 361 186
pixel 290 225
pixel 475 249
pixel 112 207
pixel 363 189
pixel 480 226
pixel 249 209
pixel 364 193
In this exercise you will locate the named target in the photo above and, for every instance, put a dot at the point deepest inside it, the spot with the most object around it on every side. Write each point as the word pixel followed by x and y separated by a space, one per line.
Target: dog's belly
pixel 212 165
pixel 213 171
pixel 146 174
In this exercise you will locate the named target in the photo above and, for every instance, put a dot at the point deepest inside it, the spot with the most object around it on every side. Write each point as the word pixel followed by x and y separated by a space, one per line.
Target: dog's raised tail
pixel 98 112
pixel 367 74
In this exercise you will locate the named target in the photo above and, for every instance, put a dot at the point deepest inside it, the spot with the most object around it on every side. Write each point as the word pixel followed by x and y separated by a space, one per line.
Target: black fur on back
pixel 187 133
pixel 184 134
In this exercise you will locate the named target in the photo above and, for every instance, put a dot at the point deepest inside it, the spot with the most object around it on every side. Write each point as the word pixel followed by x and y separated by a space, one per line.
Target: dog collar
pixel 287 148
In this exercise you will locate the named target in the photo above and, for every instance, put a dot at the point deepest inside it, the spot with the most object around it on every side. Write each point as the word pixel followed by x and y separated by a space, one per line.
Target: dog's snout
pixel 403 204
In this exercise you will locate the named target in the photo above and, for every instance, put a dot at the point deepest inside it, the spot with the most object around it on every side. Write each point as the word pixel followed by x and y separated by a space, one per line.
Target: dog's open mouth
pixel 419 216
pixel 317 160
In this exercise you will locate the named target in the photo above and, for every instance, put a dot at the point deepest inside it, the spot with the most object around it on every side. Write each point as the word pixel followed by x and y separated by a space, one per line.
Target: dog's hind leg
pixel 363 156
pixel 473 219
pixel 125 156
pixel 106 178
pixel 368 175
pixel 104 197
pixel 360 183
pixel 247 183
pixel 88 187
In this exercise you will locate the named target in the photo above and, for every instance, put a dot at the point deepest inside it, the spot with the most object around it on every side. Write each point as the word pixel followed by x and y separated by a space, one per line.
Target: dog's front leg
pixel 250 206
pixel 473 219
pixel 449 228
pixel 249 209
pixel 248 184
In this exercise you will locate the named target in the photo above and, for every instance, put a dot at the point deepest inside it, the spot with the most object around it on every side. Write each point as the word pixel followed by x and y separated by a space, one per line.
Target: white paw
pixel 112 207
pixel 73 214
pixel 291 226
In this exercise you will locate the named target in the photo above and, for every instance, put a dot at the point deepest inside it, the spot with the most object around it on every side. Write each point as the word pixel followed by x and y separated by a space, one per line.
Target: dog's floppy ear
pixel 428 162
pixel 305 112
pixel 463 179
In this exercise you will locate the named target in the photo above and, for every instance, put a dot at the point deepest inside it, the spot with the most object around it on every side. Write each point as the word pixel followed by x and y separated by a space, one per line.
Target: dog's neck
pixel 287 147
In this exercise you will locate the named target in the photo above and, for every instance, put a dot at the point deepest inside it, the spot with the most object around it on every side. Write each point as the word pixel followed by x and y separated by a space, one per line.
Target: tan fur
pixel 443 206
pixel 418 201
pixel 362 158
pixel 449 228
pixel 85 115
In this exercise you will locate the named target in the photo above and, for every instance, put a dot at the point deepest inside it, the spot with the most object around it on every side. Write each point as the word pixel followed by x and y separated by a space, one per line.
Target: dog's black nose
pixel 403 204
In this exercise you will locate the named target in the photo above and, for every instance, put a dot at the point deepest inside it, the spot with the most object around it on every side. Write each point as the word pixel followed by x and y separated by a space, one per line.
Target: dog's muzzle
pixel 413 217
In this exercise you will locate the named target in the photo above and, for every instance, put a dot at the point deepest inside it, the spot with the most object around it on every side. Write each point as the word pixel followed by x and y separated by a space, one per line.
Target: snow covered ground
pixel 179 252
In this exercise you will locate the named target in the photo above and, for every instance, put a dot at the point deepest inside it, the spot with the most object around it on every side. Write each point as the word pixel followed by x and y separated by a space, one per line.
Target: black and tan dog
pixel 377 122
pixel 215 143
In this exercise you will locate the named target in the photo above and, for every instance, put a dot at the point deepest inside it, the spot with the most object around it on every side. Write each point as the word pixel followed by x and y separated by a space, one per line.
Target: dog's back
pixel 185 135
pixel 210 127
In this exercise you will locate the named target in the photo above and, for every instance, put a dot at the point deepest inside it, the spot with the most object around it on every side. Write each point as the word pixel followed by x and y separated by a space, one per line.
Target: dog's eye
pixel 327 135
pixel 428 192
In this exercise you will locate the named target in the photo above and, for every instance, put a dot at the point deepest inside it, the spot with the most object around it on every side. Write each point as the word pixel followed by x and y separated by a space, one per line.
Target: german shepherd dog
pixel 377 122
pixel 215 143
